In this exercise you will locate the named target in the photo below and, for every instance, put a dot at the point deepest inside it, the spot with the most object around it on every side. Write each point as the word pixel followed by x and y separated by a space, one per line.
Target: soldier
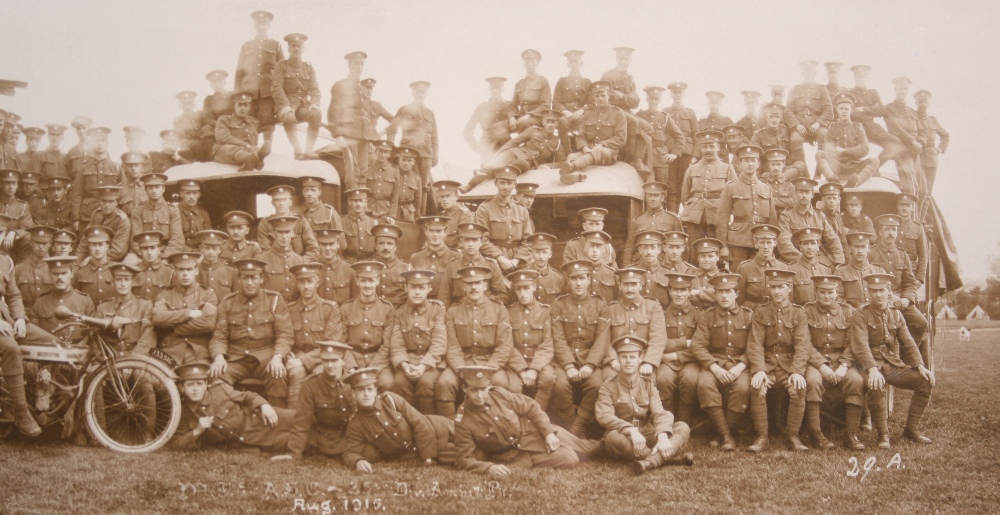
pixel 63 243
pixel 526 193
pixel 408 187
pixel 752 283
pixel 832 361
pixel 675 244
pixel 888 355
pixel 508 225
pixel 314 320
pixel 724 381
pixel 517 438
pixel 830 194
pixel 368 324
pixel 338 282
pixel 936 138
pixel 897 263
pixel 603 278
pixel 63 294
pixel 326 404
pixel 58 212
pixel 259 57
pixel 156 274
pixel 485 115
pixel 868 106
pixel 92 170
pixel 591 219
pixel 225 414
pixel 549 283
pixel 775 175
pixel 188 127
pixel 376 110
pixel 29 192
pixel 636 316
pixel 581 338
pixel 319 214
pixel 382 181
pixel 532 94
pixel 734 139
pixel 253 334
pixel 904 123
pixel 130 315
pixel 133 138
pixel 805 215
pixel 714 120
pixel 677 372
pixel 778 350
pixel 237 246
pixel 833 78
pixel 912 238
pixel 296 98
pixel 664 133
pixel 417 342
pixel 386 427
pixel 236 136
pixel 707 250
pixel 113 218
pixel 348 113
pixel 811 105
pixel 156 214
pixel 531 326
pixel 749 122
pixel 471 241
pixel 811 262
pixel 655 283
pixel 548 143
pixel 194 218
pixel 358 226
pixel 435 255
pixel 214 273
pixel 10 133
pixel 133 190
pixel 32 275
pixel 302 242
pixel 215 106
pixel 280 259
pixel 170 155
pixel 80 125
pixel 16 240
pixel 623 95
pixel 687 122
pixel 602 133
pixel 570 95
pixel 49 162
pixel 748 202
pixel 446 196
pixel 418 129
pixel 391 288
pixel 631 426
pixel 655 218
pixel 853 273
pixel 774 136
pixel 843 157
pixel 94 278
pixel 185 314
pixel 479 333
pixel 702 186
pixel 855 220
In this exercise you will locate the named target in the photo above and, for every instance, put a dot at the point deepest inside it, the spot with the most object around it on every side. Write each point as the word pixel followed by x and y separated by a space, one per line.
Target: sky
pixel 122 62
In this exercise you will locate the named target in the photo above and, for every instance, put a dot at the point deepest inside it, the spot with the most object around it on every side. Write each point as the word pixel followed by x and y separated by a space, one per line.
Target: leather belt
pixel 709 195
pixel 579 344
pixel 506 244
pixel 247 343
pixel 479 351
pixel 367 350
pixel 783 349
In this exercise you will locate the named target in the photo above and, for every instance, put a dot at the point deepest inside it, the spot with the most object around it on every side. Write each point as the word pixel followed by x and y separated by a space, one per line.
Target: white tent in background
pixel 977 313
pixel 946 313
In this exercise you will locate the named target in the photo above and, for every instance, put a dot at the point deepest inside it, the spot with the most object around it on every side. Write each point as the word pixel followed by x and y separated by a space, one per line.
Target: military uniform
pixel 366 328
pixel 383 183
pixel 913 240
pixel 749 202
pixel 811 103
pixel 478 334
pixel 701 190
pixel 120 226
pixel 162 217
pixel 904 285
pixel 604 133
pixel 418 336
pixel 360 242
pixel 458 215
pixel 509 227
pixel 484 116
pixel 325 406
pixel 153 279
pixel 248 333
pixel 313 322
pixel 95 281
pixel 43 312
pixel 138 335
pixel 337 281
pixel 855 292
pixel 452 281
pixel 936 140
pixel 277 274
pixel 850 164
pixel 48 163
pixel 752 284
pixel 33 280
pixel 677 376
pixel 651 220
pixel 419 131
pixel 220 277
pixel 437 261
pixel 803 291
pixel 794 219
pixel 303 240
pixel 183 338
pixel 531 330
pixel 255 73
pixel 348 115
pixel 237 418
pixel 685 147
pixel 640 318
pixel 90 173
pixel 294 87
pixel 193 221
pixel 551 284
pixel 56 215
pixel 235 139
pixel 392 429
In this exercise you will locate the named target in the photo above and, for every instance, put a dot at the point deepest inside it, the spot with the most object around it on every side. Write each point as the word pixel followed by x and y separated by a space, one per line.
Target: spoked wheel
pixel 135 408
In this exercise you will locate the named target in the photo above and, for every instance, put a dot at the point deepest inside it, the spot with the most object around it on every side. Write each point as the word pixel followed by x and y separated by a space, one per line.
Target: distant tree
pixel 991 302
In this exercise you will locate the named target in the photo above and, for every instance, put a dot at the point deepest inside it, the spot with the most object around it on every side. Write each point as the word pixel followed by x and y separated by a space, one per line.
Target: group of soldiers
pixel 477 350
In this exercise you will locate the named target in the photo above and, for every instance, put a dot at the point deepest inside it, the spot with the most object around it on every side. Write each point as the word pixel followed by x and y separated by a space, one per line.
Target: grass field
pixel 959 472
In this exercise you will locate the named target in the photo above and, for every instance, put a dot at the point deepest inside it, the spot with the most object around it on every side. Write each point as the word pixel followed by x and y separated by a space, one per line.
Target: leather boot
pixel 814 427
pixel 293 138
pixel 639 157
pixel 22 416
pixel 718 418
pixel 584 417
pixel 296 378
pixel 311 135
pixel 915 435
pixel 654 460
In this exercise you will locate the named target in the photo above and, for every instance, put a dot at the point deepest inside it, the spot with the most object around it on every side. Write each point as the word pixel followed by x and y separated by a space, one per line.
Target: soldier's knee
pixel 289 120
pixel 682 430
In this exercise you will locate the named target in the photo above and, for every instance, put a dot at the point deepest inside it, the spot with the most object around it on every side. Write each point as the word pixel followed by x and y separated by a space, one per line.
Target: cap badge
pixel 479 374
